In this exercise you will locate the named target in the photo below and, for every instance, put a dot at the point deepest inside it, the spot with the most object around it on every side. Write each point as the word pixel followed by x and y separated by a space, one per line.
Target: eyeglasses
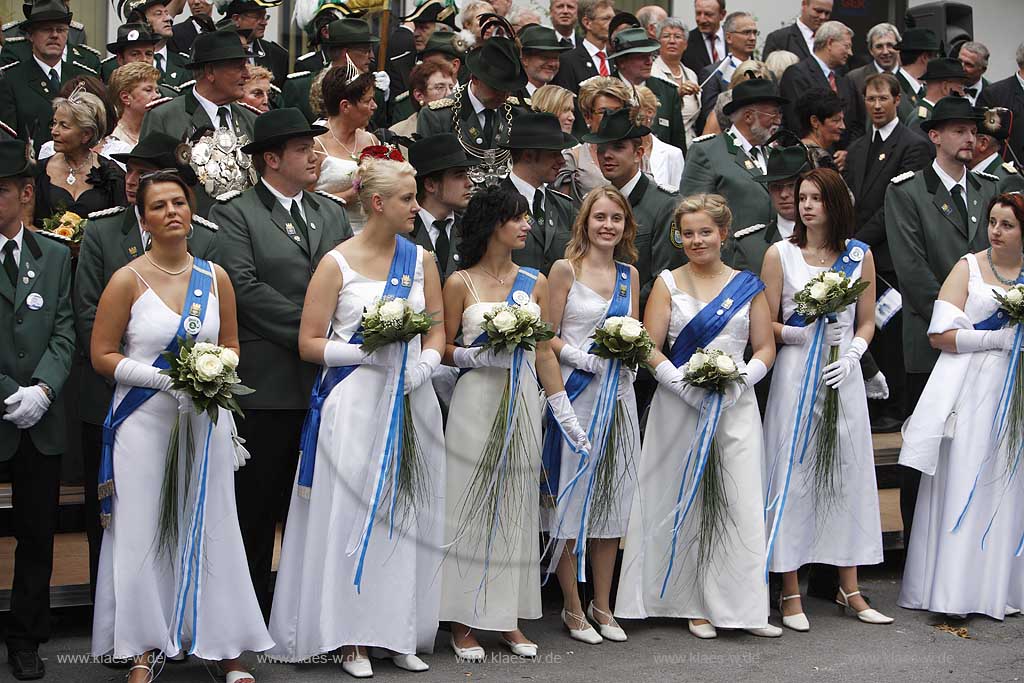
pixel 773 115
pixel 440 88
pixel 748 32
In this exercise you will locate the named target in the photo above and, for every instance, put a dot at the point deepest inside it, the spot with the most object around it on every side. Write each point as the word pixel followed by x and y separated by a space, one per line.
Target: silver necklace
pixel 355 141
pixel 1008 283
pixel 72 179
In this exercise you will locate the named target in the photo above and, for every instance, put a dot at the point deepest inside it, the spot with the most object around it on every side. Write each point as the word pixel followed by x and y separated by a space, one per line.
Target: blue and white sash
pixel 846 263
pixel 192 316
pixel 702 329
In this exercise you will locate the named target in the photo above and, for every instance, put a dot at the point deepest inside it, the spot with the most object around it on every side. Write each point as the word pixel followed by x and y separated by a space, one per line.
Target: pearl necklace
pixel 169 272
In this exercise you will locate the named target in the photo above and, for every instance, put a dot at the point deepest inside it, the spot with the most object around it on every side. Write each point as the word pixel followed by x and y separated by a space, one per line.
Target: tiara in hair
pixel 76 95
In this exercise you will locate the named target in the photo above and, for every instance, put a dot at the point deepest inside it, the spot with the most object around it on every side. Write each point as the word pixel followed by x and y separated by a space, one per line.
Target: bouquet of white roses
pixel 509 327
pixel 711 369
pixel 827 293
pixel 392 319
pixel 625 339
pixel 1012 302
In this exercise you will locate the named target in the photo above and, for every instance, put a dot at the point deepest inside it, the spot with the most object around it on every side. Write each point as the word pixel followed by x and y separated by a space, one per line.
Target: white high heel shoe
pixel 868 616
pixel 769 631
pixel 528 650
pixel 612 631
pixel 468 654
pixel 797 622
pixel 357 668
pixel 702 631
pixel 584 635
pixel 1011 611
pixel 407 662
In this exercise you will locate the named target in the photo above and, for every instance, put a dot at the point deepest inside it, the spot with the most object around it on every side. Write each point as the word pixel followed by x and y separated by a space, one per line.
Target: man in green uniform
pixel 252 15
pixel 541 49
pixel 37 340
pixel 134 44
pixel 536 143
pixel 172 65
pixel 17 47
pixel 932 218
pixel 918 46
pixel 28 87
pixel 633 53
pixel 316 28
pixel 12 30
pixel 746 247
pixel 990 145
pixel 943 77
pixel 271 239
pixel 730 163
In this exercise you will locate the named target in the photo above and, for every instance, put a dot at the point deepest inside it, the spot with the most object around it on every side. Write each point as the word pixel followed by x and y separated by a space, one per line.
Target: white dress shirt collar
pixel 719 38
pixel 627 189
pixel 571 37
pixel 530 88
pixel 592 50
pixel 760 160
pixel 915 84
pixel 428 222
pixel 283 199
pixel 808 35
pixel 478 106
pixel 17 239
pixel 785 226
pixel 524 188
pixel 46 67
pixel 825 68
pixel 211 109
pixel 887 129
pixel 948 181
pixel 983 164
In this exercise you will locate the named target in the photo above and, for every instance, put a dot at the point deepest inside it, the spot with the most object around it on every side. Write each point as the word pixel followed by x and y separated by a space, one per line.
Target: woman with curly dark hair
pixel 490 573
pixel 822 124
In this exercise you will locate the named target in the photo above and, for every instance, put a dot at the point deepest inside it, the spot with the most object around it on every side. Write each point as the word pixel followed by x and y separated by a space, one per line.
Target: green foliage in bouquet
pixel 623 338
pixel 826 293
pixel 207 373
pixel 388 320
pixel 711 369
pixel 509 327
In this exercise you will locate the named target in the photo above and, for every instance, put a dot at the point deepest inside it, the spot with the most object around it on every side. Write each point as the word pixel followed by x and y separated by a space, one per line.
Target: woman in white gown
pixel 593 282
pixel 331 592
pixel 808 521
pixel 348 100
pixel 964 554
pixel 491 568
pixel 709 573
pixel 144 604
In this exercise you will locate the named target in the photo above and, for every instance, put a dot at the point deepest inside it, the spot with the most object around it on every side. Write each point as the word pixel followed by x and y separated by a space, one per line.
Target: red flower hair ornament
pixel 383 151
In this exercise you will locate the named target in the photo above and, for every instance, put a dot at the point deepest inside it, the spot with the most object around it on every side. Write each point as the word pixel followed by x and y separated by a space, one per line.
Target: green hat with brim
pixel 752 91
pixel 951 108
pixel 132 34
pixel 497 64
pixel 944 69
pixel 126 7
pixel 615 126
pixel 537 38
pixel 44 12
pixel 216 46
pixel 161 151
pixel 240 6
pixel 785 163
pixel 632 41
pixel 434 11
pixel 348 32
pixel 446 43
pixel 439 153
pixel 919 40
pixel 14 159
pixel 538 130
pixel 278 126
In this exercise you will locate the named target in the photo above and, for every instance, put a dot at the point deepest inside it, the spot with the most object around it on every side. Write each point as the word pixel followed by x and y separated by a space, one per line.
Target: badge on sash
pixel 406 281
pixel 857 254
pixel 520 297
pixel 623 290
pixel 34 301
pixel 192 323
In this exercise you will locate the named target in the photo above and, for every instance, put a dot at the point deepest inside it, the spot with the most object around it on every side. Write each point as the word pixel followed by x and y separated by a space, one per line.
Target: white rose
pixel 229 358
pixel 697 361
pixel 1014 296
pixel 819 291
pixel 392 310
pixel 725 364
pixel 204 347
pixel 832 277
pixel 505 321
pixel 613 325
pixel 209 367
pixel 631 330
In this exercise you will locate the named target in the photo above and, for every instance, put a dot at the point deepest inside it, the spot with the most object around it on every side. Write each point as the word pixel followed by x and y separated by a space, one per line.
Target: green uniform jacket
pixel 545 244
pixel 921 112
pixel 312 61
pixel 26 98
pixel 439 117
pixel 270 270
pixel 20 50
pixel 76 32
pixel 296 89
pixel 112 240
pixel 37 345
pixel 272 57
pixel 717 164
pixel 745 249
pixel 926 238
pixel 668 121
pixel 420 236
pixel 1010 179
pixel 908 97
pixel 657 239
pixel 401 108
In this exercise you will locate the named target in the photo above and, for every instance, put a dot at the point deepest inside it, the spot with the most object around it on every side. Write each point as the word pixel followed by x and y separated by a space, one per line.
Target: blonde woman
pixel 131 88
pixel 554 99
pixel 696 542
pixel 720 121
pixel 593 282
pixel 661 160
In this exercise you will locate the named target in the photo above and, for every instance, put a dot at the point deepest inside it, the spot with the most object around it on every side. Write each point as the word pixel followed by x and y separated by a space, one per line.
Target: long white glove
pixel 580 359
pixel 26 406
pixel 756 371
pixel 626 379
pixel 791 334
pixel 479 358
pixel 834 333
pixel 672 377
pixel 969 341
pixel 561 407
pixel 836 373
pixel 339 354
pixel 132 373
pixel 419 374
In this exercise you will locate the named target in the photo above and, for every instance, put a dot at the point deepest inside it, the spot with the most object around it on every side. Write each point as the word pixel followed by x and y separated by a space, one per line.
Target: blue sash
pixel 845 264
pixel 199 286
pixel 999 319
pixel 551 456
pixel 525 281
pixel 398 285
pixel 712 319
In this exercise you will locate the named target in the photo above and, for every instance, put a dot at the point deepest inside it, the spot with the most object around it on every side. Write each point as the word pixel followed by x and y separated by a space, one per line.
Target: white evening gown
pixel 948 571
pixel 585 310
pixel 136 587
pixel 845 531
pixel 316 606
pixel 729 590
pixel 491 594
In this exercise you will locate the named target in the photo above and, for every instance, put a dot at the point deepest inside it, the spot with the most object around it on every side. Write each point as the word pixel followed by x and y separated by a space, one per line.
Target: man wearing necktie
pixel 740 41
pixel 590 56
pixel 932 218
pixel 563 15
pixel 973 57
pixel 271 238
pixel 155 14
pixel 883 45
pixel 706 44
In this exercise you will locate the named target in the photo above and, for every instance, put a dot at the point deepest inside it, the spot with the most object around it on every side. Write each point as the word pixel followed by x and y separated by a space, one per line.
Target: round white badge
pixel 132 35
pixel 193 325
pixel 34 301
pixel 521 297
pixel 857 254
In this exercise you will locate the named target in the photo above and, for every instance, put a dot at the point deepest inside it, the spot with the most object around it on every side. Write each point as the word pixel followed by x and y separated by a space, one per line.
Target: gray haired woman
pixel 673 36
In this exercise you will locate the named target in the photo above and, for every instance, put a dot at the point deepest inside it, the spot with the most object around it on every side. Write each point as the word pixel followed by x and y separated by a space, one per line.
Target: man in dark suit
pixel 917 47
pixel 883 44
pixel 798 37
pixel 172 65
pixel 590 56
pixel 563 15
pixel 973 58
pixel 536 144
pixel 833 45
pixel 272 238
pixel 740 41
pixel 887 150
pixel 706 44
pixel 1008 93
pixel 37 341
pixel 184 33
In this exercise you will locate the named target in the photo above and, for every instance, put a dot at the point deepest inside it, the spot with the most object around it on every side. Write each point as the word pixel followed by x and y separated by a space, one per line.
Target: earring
pixel 191 231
